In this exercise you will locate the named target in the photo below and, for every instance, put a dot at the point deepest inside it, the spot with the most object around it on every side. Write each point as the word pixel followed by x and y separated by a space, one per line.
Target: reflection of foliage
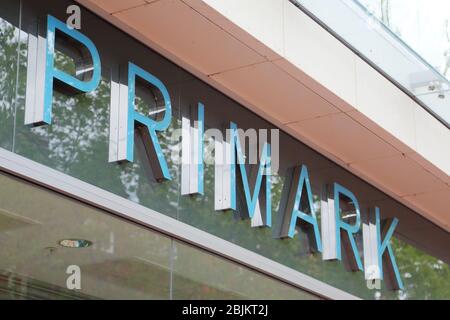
pixel 424 276
pixel 8 73
pixel 77 141
pixel 77 144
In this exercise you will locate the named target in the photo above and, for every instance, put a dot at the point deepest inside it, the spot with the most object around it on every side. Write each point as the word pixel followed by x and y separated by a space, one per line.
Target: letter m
pixel 229 159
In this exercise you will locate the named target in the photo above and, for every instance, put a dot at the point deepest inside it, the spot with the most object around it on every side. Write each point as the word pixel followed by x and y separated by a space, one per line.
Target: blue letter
pixel 152 125
pixel 297 213
pixel 41 69
pixel 386 244
pixel 375 248
pixel 252 201
pixel 350 229
pixel 124 118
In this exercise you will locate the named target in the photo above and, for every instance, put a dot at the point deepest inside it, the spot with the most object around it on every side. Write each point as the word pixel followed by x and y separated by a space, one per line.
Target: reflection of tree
pixel 77 141
pixel 8 58
pixel 424 276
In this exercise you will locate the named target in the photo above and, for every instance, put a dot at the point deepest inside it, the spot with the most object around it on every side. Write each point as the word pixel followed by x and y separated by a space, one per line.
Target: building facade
pixel 196 150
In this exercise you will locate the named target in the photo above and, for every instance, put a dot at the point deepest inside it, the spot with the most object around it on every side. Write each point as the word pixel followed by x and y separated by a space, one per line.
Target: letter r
pixel 126 122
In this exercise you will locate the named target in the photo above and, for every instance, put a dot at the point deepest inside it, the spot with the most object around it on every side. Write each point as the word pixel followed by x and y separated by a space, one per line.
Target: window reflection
pixel 200 275
pixel 123 260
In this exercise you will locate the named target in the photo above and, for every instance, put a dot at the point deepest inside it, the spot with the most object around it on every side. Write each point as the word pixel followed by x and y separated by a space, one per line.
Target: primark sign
pixel 336 237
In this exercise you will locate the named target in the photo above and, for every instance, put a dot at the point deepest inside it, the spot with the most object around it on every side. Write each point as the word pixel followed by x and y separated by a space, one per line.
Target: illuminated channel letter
pixel 43 76
pixel 192 154
pixel 258 203
pixel 126 122
pixel 334 229
pixel 376 248
pixel 297 180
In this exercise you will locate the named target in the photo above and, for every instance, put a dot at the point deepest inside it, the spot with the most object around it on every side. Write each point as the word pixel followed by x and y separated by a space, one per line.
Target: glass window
pixel 122 260
pixel 9 46
pixel 44 235
pixel 198 274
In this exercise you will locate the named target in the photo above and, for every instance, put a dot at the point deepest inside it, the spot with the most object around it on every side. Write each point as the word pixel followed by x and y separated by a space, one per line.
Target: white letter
pixel 74 280
pixel 74 20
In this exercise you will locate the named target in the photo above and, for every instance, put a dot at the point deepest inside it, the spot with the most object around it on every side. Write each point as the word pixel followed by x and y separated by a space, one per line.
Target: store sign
pixel 336 235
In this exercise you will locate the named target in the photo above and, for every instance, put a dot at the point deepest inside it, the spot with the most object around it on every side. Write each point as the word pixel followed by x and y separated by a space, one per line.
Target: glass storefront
pixel 129 261
pixel 122 261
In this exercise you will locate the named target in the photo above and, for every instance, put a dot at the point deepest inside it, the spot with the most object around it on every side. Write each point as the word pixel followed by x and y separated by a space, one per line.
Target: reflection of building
pixel 127 225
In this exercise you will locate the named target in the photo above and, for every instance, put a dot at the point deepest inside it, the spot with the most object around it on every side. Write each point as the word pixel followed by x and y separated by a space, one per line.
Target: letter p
pixel 43 76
